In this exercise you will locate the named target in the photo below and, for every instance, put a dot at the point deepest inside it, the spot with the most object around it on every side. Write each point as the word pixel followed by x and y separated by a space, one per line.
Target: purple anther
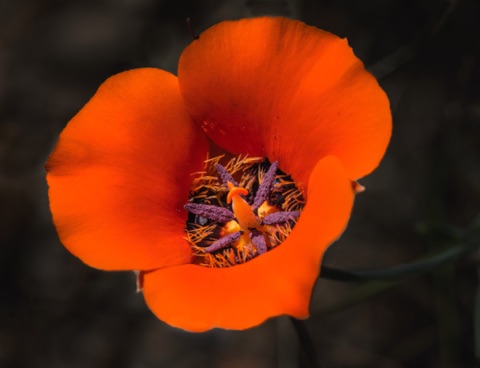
pixel 225 176
pixel 259 241
pixel 218 214
pixel 223 242
pixel 279 217
pixel 266 187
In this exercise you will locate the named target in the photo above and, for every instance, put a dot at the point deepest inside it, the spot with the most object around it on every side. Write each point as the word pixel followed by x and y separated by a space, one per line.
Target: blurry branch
pixel 191 30
pixel 407 52
pixel 476 320
pixel 286 8
pixel 381 280
pixel 476 309
pixel 360 294
pixel 306 343
pixel 400 271
pixel 466 241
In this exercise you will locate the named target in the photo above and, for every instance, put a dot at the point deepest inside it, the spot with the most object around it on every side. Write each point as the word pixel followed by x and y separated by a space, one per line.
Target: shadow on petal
pixel 279 88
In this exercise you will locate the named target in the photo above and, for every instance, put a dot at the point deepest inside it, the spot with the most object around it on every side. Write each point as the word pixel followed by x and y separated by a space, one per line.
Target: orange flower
pixel 121 173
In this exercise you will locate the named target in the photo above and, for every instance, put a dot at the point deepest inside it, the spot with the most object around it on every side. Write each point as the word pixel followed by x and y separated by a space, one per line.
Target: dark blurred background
pixel 423 200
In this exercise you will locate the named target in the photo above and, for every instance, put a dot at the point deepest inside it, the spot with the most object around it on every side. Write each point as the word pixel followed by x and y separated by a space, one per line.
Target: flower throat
pixel 240 210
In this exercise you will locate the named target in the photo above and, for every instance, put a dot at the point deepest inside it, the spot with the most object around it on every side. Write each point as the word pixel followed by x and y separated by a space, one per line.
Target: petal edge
pixel 279 88
pixel 115 188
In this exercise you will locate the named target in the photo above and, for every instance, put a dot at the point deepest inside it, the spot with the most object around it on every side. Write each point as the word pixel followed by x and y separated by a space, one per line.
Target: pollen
pixel 239 210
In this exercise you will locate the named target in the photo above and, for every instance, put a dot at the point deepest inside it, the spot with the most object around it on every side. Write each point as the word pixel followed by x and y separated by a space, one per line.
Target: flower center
pixel 232 222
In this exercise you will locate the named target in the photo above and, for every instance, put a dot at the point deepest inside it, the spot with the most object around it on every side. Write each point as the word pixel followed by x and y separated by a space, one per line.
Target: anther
pixel 280 217
pixel 218 214
pixel 259 241
pixel 225 175
pixel 223 242
pixel 266 187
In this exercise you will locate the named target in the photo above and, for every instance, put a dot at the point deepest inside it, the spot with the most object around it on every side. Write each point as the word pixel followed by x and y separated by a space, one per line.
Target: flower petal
pixel 278 282
pixel 120 174
pixel 279 88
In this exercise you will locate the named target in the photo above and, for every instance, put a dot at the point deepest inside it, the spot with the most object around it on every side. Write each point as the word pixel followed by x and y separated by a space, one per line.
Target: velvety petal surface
pixel 278 282
pixel 278 88
pixel 121 171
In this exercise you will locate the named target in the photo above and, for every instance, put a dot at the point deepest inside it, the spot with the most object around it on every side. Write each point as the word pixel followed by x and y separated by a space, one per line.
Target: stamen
pixel 218 214
pixel 256 215
pixel 259 241
pixel 225 176
pixel 224 242
pixel 266 187
pixel 280 217
pixel 197 234
pixel 293 199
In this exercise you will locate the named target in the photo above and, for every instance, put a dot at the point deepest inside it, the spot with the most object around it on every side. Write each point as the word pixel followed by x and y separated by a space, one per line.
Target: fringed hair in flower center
pixel 240 210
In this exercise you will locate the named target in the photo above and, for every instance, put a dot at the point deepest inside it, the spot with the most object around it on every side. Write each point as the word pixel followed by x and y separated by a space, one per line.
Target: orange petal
pixel 120 174
pixel 279 88
pixel 278 282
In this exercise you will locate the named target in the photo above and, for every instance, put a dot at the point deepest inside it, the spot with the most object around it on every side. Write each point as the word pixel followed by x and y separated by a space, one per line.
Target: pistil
pixel 242 210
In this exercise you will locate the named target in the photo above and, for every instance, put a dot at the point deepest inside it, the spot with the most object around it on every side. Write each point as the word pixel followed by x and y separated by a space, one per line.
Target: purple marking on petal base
pixel 223 242
pixel 225 176
pixel 266 187
pixel 218 214
pixel 259 241
pixel 279 217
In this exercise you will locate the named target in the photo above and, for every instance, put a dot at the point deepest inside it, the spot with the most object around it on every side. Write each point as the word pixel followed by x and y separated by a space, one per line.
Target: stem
pixel 476 320
pixel 401 271
pixel 306 342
